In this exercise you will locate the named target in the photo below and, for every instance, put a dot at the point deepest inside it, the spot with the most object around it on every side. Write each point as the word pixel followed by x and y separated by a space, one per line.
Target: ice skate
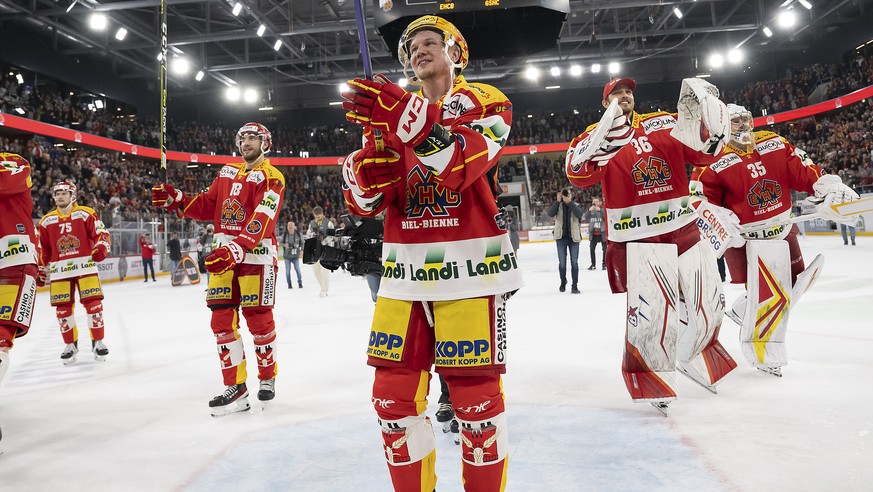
pixel 99 349
pixel 773 371
pixel 445 415
pixel 69 353
pixel 661 406
pixel 234 399
pixel 455 429
pixel 266 392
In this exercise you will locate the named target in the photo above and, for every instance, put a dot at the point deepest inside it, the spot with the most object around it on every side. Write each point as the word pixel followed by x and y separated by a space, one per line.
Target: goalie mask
pixel 258 129
pixel 451 37
pixel 66 186
pixel 741 124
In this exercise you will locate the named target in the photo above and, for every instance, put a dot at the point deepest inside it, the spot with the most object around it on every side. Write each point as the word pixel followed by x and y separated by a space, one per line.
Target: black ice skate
pixel 234 399
pixel 69 353
pixel 99 349
pixel 268 390
pixel 445 415
pixel 661 406
pixel 456 431
pixel 773 371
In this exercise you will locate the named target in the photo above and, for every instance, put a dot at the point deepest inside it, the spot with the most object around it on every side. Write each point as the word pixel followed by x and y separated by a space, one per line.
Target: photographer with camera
pixel 567 214
pixel 596 218
pixel 321 228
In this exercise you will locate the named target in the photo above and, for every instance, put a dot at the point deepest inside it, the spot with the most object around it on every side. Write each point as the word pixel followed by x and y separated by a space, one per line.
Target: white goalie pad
pixel 807 278
pixel 702 122
pixel 770 298
pixel 652 321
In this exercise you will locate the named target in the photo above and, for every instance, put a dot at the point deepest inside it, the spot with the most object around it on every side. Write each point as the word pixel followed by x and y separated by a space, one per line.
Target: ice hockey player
pixel 449 266
pixel 18 247
pixel 749 184
pixel 243 203
pixel 72 241
pixel 654 254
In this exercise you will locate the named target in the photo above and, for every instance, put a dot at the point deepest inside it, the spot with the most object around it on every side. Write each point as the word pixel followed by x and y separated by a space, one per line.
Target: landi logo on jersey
pixel 270 201
pixel 424 195
pixel 68 243
pixel 12 166
pixel 492 127
pixel 650 173
pixel 14 247
pixel 232 212
pixel 764 193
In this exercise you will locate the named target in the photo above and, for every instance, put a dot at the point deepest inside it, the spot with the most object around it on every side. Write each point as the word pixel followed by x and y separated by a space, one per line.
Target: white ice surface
pixel 139 421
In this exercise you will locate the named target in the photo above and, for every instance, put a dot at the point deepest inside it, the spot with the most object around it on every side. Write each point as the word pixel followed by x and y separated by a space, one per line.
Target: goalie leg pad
pixel 700 354
pixel 649 362
pixel 769 295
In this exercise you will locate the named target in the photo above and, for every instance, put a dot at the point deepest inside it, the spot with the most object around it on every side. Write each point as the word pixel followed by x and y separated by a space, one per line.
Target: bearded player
pixel 242 203
pixel 72 241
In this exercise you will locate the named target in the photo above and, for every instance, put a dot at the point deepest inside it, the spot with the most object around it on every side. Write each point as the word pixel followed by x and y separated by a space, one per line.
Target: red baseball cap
pixel 616 81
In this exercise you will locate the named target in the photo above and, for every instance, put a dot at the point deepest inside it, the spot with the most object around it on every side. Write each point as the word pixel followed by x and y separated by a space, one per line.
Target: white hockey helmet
pixel 253 128
pixel 742 124
pixel 66 186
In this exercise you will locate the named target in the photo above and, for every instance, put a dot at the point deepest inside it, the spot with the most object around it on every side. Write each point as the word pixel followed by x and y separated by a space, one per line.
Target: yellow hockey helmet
pixel 451 37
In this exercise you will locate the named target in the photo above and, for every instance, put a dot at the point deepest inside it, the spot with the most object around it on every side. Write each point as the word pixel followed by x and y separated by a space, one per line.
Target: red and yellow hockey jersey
pixel 17 235
pixel 444 236
pixel 66 241
pixel 645 185
pixel 243 205
pixel 756 184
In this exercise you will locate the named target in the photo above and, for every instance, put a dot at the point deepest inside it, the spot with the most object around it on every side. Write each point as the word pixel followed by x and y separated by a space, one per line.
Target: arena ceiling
pixel 320 48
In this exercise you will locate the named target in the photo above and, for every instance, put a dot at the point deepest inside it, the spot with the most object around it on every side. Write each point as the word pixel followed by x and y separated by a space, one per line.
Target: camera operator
pixel 596 218
pixel 318 228
pixel 567 236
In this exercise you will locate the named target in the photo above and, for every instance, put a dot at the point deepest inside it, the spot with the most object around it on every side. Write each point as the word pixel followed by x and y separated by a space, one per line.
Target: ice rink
pixel 140 422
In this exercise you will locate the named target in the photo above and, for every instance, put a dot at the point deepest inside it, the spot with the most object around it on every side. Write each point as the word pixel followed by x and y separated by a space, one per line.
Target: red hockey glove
pixel 368 170
pixel 166 197
pixel 386 106
pixel 41 276
pixel 99 252
pixel 225 258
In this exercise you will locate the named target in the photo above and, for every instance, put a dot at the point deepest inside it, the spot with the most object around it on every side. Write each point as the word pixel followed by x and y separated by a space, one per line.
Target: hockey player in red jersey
pixel 243 203
pixel 749 184
pixel 449 266
pixel 654 254
pixel 72 241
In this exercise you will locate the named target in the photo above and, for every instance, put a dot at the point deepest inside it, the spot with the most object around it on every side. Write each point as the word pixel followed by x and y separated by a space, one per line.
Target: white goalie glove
pixel 611 135
pixel 829 191
pixel 703 122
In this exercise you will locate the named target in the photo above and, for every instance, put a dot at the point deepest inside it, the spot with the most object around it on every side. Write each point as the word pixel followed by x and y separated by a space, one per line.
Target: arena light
pixel 265 108
pixel 232 94
pixel 677 12
pixel 98 21
pixel 595 68
pixel 532 73
pixel 19 78
pixel 250 95
pixel 120 34
pixel 72 4
pixel 19 111
pixel 716 60
pixel 98 103
pixel 237 9
pixel 806 5
pixel 735 56
pixel 575 70
pixel 180 66
pixel 555 71
pixel 767 31
pixel 277 45
pixel 786 19
pixel 199 75
pixel 551 87
pixel 334 103
pixel 261 30
pixel 613 67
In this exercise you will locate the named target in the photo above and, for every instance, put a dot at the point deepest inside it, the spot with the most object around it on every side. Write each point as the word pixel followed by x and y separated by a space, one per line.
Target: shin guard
pixel 484 449
pixel 410 451
pixel 769 293
pixel 649 362
pixel 95 319
pixel 262 327
pixel 67 323
pixel 225 326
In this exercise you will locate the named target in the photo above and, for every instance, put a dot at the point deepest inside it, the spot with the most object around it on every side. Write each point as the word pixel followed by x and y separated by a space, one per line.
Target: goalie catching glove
pixel 703 122
pixel 167 197
pixel 369 171
pixel 224 258
pixel 610 135
pixel 386 106
pixel 829 191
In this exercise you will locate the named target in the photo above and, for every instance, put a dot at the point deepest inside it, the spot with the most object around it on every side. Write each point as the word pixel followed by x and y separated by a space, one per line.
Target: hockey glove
pixel 703 122
pixel 99 252
pixel 369 171
pixel 41 276
pixel 224 258
pixel 831 184
pixel 166 197
pixel 388 107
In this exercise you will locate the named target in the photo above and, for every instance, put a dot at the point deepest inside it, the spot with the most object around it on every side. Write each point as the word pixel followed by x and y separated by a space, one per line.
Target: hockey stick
pixel 365 58
pixel 162 88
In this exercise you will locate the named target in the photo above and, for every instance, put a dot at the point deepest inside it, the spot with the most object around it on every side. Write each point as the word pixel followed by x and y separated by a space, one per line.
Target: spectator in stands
pixel 567 214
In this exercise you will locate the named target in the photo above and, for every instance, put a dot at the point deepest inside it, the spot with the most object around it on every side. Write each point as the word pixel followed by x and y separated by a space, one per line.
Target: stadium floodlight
pixel 613 67
pixel 786 19
pixel 550 87
pixel 277 45
pixel 19 111
pixel 595 68
pixel 72 4
pixel 767 31
pixel 716 60
pixel 532 73
pixel 199 75
pixel 806 5
pixel 98 103
pixel 237 9
pixel 232 94
pixel 91 107
pixel 735 56
pixel 250 95
pixel 19 78
pixel 120 34
pixel 677 12
pixel 98 21
pixel 180 66
pixel 575 70
pixel 261 30
pixel 555 71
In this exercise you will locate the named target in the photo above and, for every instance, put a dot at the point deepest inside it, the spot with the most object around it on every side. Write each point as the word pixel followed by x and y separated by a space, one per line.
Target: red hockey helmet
pixel 66 186
pixel 253 128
